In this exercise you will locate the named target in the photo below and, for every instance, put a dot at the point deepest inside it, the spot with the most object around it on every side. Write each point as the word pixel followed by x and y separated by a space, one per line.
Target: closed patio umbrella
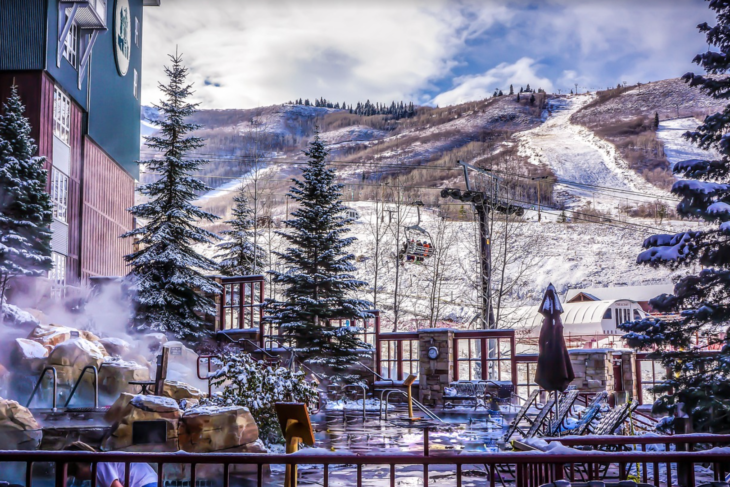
pixel 554 370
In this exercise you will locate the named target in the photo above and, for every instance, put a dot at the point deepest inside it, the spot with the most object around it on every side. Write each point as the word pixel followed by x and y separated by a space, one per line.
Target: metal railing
pixel 96 386
pixel 521 469
pixel 54 374
pixel 421 407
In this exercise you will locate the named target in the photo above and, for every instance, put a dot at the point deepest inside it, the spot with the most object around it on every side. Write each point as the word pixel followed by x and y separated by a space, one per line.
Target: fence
pixel 526 469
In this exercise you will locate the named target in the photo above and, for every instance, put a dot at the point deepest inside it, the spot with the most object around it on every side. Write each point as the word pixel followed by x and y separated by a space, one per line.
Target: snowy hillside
pixel 676 147
pixel 577 155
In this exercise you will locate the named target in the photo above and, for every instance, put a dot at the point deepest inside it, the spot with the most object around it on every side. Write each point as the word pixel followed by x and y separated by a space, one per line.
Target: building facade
pixel 78 66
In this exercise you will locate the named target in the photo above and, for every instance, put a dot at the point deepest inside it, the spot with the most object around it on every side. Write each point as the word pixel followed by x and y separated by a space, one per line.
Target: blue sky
pixel 243 54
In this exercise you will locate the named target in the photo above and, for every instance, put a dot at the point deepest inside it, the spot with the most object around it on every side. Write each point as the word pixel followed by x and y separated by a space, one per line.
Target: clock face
pixel 433 353
pixel 122 36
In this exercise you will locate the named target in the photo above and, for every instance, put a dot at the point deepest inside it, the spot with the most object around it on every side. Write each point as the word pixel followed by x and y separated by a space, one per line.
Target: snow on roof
pixel 633 293
pixel 581 318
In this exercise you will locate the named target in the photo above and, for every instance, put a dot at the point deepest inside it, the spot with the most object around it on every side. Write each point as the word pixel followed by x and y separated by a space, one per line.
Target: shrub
pixel 258 386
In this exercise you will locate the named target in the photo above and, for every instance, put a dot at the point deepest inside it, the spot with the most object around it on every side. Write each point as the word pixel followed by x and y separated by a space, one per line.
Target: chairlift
pixel 419 244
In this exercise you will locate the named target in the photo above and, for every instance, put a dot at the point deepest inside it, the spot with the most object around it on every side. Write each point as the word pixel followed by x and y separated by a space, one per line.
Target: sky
pixel 249 53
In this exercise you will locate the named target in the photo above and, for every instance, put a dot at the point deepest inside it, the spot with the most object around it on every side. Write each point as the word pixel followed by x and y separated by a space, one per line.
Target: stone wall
pixel 435 375
pixel 593 369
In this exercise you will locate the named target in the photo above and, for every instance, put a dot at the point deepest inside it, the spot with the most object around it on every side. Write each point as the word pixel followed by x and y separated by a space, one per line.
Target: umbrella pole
pixel 557 411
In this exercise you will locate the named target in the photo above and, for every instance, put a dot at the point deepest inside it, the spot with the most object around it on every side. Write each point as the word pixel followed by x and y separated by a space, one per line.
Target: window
pixel 61 115
pixel 136 31
pixel 607 314
pixel 70 47
pixel 637 315
pixel 136 84
pixel 59 194
pixel 57 275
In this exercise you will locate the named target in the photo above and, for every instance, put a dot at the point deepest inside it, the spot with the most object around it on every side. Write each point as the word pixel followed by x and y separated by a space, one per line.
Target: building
pixel 640 294
pixel 78 68
pixel 586 324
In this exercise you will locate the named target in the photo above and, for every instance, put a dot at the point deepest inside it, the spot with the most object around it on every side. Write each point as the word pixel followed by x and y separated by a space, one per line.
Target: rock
pixel 115 375
pixel 17 317
pixel 29 355
pixel 129 409
pixel 116 347
pixel 71 356
pixel 13 416
pixel 152 343
pixel 18 428
pixel 51 335
pixel 39 315
pixel 180 390
pixel 211 428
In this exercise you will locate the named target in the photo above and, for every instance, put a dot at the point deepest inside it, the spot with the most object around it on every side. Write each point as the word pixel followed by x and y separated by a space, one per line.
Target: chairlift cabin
pixel 418 245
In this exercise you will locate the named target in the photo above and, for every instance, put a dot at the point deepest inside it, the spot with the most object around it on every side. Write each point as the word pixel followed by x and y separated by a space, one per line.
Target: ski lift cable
pixel 597 188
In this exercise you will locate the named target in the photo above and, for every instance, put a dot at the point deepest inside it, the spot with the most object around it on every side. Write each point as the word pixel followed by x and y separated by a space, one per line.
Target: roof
pixel 632 293
pixel 580 318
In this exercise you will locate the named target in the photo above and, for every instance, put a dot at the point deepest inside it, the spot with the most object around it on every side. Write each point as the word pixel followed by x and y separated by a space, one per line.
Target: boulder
pixel 71 356
pixel 116 347
pixel 212 428
pixel 51 335
pixel 129 409
pixel 180 390
pixel 18 428
pixel 115 375
pixel 29 355
pixel 152 343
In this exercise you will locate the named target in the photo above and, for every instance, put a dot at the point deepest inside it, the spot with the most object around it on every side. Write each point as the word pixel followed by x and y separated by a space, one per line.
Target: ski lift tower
pixel 483 203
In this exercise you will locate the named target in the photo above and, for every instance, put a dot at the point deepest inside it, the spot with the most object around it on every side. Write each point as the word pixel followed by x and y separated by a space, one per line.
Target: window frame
pixel 59 195
pixel 71 45
pixel 136 83
pixel 61 115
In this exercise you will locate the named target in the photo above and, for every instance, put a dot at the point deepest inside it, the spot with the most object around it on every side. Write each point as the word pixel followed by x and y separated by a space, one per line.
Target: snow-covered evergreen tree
pixel 239 255
pixel 698 384
pixel 172 292
pixel 318 280
pixel 26 211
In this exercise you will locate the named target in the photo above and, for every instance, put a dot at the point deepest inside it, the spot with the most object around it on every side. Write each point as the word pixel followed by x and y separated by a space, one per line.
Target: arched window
pixel 607 314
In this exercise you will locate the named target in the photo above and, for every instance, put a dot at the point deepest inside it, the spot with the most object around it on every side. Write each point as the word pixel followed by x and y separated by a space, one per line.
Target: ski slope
pixel 594 168
pixel 676 147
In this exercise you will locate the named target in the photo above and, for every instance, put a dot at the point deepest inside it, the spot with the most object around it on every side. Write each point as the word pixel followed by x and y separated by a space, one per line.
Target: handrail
pixel 373 372
pixel 96 386
pixel 420 406
pixel 364 394
pixel 246 340
pixel 37 385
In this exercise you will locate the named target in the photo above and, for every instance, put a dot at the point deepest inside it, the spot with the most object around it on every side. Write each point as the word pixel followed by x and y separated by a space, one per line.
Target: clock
pixel 433 353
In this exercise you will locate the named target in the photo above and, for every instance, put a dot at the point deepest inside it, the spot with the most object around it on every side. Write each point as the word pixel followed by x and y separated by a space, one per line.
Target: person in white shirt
pixel 111 474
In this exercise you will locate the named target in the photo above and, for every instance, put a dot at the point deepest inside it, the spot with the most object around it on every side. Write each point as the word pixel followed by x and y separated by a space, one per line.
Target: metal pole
pixel 485 248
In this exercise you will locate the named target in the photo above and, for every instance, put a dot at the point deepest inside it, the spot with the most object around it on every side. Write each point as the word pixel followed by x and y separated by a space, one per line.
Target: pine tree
pixel 532 99
pixel 697 383
pixel 511 90
pixel 518 97
pixel 656 120
pixel 318 278
pixel 172 293
pixel 26 211
pixel 562 218
pixel 239 255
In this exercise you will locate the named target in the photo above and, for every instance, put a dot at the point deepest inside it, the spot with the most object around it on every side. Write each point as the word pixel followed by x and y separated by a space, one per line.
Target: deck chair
pixel 591 413
pixel 521 415
pixel 567 401
pixel 611 421
pixel 541 418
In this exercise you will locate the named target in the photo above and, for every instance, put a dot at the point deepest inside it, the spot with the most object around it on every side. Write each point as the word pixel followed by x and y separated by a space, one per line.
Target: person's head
pixel 79 470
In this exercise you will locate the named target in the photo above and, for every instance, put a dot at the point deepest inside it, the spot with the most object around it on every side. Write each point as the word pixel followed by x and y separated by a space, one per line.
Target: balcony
pixel 90 14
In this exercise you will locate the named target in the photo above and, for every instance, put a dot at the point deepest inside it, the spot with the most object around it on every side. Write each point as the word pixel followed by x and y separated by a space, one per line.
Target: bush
pixel 258 386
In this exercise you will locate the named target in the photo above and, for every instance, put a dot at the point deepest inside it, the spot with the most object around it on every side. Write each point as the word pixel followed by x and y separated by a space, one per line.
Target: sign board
pixel 295 414
pixel 122 36
pixel 74 334
pixel 175 350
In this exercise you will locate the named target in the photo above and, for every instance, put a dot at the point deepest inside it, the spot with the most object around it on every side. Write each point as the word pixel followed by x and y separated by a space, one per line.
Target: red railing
pixel 524 469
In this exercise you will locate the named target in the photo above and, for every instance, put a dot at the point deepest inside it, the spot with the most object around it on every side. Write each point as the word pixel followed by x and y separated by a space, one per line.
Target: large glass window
pixel 61 115
pixel 70 47
pixel 59 195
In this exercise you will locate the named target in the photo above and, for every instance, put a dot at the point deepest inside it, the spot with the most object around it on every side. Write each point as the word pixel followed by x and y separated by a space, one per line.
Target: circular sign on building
pixel 122 35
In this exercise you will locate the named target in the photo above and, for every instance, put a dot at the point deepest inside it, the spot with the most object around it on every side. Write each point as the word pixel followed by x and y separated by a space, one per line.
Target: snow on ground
pixel 575 154
pixel 347 405
pixel 572 255
pixel 676 147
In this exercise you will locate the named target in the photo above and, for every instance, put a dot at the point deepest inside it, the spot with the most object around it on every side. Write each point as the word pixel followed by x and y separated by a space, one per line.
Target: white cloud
pixel 480 86
pixel 269 52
